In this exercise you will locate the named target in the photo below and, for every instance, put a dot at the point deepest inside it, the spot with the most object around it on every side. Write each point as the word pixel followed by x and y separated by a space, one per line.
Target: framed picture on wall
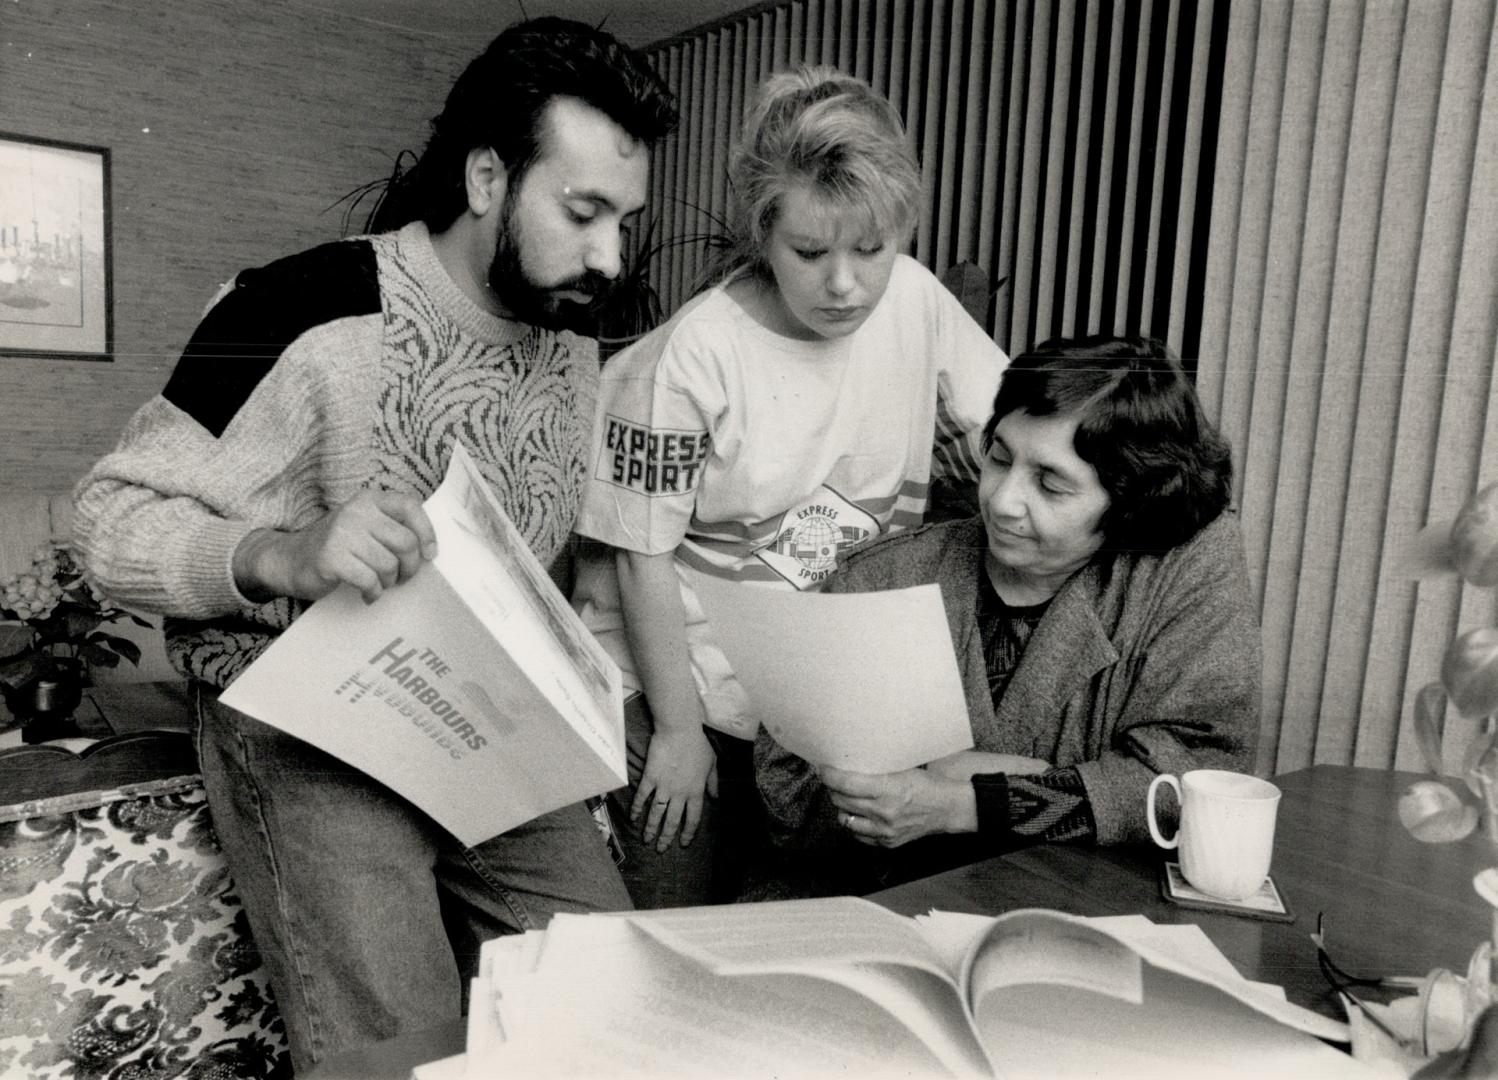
pixel 55 279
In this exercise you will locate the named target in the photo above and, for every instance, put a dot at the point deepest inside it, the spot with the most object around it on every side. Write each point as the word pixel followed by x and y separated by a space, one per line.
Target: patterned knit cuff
pixel 992 793
pixel 1052 806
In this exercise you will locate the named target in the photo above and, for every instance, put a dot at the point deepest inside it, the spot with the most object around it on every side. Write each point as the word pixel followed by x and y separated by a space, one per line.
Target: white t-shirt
pixel 758 458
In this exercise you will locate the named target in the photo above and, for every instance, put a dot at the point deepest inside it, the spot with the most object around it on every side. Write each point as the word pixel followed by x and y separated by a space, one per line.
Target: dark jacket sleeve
pixel 798 810
pixel 1193 681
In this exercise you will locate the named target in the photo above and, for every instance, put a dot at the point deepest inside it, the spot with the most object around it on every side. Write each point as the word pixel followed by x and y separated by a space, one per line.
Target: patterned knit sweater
pixel 354 365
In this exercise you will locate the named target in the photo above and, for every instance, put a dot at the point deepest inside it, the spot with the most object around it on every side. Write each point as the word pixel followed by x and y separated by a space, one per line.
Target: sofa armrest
pixel 29 774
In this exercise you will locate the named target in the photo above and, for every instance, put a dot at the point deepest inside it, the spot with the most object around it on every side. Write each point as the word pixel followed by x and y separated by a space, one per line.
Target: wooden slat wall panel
pixel 1350 329
pixel 1081 148
pixel 1302 199
pixel 1041 126
pixel 1191 171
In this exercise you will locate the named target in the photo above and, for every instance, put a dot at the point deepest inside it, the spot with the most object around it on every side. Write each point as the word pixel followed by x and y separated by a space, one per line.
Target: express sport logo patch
pixel 652 461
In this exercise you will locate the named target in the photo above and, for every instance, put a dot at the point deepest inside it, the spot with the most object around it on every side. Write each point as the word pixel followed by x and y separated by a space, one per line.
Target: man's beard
pixel 537 304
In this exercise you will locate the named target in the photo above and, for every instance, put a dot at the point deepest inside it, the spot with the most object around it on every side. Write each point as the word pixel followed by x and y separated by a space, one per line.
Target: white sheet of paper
pixel 863 681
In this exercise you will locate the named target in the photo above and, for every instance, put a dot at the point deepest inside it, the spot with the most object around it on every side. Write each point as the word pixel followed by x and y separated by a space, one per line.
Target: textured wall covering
pixel 259 115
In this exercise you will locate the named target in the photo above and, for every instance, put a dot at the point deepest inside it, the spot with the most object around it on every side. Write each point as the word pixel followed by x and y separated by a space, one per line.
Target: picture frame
pixel 56 277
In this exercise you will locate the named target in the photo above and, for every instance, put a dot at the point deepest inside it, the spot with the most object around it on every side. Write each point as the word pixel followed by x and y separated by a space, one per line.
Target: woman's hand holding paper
pixel 891 809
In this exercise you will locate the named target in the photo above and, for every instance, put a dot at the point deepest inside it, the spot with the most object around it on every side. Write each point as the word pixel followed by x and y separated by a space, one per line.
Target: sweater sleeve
pixel 798 809
pixel 1014 810
pixel 967 380
pixel 245 435
pixel 1194 693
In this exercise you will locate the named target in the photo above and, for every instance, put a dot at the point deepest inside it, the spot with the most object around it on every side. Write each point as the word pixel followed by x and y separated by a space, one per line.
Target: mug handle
pixel 1149 810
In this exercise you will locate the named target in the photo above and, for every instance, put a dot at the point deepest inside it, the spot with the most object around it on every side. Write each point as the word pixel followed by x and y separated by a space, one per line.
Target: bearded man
pixel 313 410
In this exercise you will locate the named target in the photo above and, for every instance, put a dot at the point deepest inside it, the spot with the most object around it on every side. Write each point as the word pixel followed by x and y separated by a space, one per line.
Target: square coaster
pixel 1267 903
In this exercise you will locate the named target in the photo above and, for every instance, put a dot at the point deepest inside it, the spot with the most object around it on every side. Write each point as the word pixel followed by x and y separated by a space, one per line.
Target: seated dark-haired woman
pixel 1100 610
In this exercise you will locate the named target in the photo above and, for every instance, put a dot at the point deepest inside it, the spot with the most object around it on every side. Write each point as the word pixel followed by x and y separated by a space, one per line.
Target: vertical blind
pixel 1299 196
pixel 1066 146
pixel 1351 302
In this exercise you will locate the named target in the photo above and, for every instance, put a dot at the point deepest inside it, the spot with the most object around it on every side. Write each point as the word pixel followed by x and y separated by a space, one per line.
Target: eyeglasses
pixel 1447 1004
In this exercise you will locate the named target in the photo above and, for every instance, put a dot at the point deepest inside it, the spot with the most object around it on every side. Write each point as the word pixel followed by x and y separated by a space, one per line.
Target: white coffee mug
pixel 1226 836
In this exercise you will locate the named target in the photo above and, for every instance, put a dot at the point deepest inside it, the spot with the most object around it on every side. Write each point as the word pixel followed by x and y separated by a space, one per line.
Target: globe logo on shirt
pixel 804 549
pixel 814 542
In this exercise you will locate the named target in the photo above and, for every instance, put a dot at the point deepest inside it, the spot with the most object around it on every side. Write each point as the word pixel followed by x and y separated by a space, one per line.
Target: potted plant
pixel 1435 811
pixel 633 307
pixel 55 614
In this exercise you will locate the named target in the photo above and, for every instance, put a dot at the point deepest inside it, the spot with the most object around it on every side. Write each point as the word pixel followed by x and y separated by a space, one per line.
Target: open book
pixel 472 689
pixel 843 987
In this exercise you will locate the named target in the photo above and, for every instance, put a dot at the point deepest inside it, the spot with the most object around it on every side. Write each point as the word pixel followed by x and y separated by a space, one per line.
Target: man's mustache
pixel 592 284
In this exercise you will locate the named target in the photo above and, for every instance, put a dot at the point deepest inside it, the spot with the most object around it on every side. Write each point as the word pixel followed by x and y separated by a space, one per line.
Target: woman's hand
pixel 890 809
pixel 679 763
pixel 680 767
pixel 964 764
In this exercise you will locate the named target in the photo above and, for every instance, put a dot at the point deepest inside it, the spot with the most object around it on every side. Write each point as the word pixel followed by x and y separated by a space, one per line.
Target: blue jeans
pixel 369 916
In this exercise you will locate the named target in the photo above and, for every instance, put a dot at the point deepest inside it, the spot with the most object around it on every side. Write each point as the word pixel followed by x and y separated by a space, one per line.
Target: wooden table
pixel 1393 905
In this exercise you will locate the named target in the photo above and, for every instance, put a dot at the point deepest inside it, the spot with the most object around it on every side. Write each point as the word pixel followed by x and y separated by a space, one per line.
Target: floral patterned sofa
pixel 124 953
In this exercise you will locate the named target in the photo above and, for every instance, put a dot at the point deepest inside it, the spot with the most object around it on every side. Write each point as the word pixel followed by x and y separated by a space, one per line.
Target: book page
pixel 951 934
pixel 482 553
pixel 1184 941
pixel 607 1000
pixel 1182 1029
pixel 1060 950
pixel 735 938
pixel 1054 994
pixel 1035 947
pixel 863 681
pixel 852 943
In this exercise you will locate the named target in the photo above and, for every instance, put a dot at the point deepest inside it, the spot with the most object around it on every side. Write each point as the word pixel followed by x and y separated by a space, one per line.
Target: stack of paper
pixel 843 987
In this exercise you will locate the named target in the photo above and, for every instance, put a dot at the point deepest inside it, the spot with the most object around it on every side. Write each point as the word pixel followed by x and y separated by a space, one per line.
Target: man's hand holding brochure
pixel 472 690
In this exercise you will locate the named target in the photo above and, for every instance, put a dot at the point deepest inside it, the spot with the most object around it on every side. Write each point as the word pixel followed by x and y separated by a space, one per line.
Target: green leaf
pixel 124 646
pixel 77 624
pixel 97 656
pixel 15 670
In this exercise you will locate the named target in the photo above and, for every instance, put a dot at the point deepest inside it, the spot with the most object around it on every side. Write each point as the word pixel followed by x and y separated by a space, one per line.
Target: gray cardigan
pixel 1141 665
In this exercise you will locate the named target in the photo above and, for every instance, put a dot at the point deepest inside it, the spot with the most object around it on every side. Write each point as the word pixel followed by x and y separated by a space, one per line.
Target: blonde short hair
pixel 828 129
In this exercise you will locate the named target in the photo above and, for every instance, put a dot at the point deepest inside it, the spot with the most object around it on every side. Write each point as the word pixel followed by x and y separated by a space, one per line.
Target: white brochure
pixel 472 689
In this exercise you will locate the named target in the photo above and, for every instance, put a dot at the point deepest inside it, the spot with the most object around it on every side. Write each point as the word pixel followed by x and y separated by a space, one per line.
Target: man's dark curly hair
pixel 1165 468
pixel 500 100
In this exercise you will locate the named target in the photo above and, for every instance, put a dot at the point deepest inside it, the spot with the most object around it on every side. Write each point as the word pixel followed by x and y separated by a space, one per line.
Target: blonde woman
pixel 780 417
